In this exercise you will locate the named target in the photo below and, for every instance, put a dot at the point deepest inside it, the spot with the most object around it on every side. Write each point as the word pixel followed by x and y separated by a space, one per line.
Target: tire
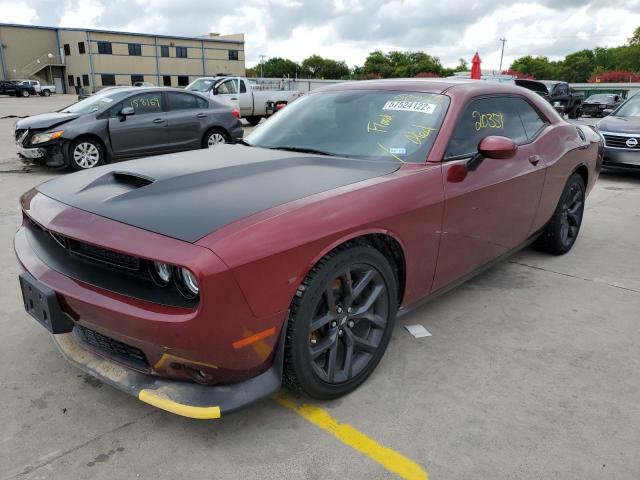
pixel 46 93
pixel 561 232
pixel 573 113
pixel 253 120
pixel 85 153
pixel 25 93
pixel 214 137
pixel 359 329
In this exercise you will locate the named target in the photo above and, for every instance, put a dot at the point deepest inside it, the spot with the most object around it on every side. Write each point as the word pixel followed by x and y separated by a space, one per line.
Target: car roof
pixel 148 89
pixel 428 85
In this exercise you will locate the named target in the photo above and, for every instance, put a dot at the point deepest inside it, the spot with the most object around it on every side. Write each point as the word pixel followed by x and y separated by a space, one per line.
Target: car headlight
pixel 45 137
pixel 189 281
pixel 161 273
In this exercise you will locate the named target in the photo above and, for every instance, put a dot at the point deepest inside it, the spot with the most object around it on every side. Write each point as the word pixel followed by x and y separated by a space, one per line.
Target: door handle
pixel 158 120
pixel 234 98
pixel 201 115
pixel 534 160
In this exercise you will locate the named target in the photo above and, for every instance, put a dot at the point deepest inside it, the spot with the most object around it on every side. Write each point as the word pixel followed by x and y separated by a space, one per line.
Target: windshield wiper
pixel 242 141
pixel 304 150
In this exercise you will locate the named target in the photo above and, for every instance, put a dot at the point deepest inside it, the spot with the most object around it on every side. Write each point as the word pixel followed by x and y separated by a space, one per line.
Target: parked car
pixel 143 84
pixel 558 94
pixel 42 90
pixel 11 87
pixel 125 122
pixel 201 281
pixel 240 92
pixel 595 105
pixel 621 133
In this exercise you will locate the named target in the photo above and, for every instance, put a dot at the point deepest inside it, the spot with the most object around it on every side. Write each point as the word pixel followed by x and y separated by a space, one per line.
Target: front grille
pixel 618 141
pixel 112 347
pixel 20 135
pixel 103 255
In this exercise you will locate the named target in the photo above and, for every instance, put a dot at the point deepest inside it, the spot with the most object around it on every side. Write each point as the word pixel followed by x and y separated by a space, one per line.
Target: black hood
pixel 191 194
pixel 620 124
pixel 46 120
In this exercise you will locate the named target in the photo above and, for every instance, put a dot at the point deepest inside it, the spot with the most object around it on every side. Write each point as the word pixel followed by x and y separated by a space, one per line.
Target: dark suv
pixel 8 87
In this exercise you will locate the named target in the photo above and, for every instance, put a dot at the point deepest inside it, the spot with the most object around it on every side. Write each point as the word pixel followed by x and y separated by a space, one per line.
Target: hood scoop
pixel 135 180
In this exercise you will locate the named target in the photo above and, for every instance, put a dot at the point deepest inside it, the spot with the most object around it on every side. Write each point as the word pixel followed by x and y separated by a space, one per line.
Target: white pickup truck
pixel 43 90
pixel 244 95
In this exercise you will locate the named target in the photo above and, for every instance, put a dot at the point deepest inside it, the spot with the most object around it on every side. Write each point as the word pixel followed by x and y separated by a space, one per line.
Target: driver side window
pixel 227 87
pixel 482 118
pixel 144 103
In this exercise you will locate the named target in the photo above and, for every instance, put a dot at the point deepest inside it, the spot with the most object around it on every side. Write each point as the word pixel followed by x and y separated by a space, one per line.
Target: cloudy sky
pixel 349 29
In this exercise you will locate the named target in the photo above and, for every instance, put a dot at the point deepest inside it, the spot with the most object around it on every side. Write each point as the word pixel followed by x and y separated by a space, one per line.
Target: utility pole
pixel 503 40
pixel 262 57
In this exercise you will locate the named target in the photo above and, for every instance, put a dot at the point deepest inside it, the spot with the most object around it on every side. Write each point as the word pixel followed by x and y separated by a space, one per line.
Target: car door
pixel 143 132
pixel 186 120
pixel 227 92
pixel 245 99
pixel 490 210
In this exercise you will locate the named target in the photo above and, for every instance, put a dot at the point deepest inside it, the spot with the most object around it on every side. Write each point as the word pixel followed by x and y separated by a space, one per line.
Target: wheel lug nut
pixel 349 310
pixel 333 324
pixel 339 309
pixel 340 332
pixel 351 323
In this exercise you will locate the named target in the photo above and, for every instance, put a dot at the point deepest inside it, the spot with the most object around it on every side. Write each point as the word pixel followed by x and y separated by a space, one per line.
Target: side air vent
pixel 134 180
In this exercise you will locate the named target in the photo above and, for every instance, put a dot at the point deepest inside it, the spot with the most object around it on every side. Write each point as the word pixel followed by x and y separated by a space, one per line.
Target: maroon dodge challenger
pixel 202 281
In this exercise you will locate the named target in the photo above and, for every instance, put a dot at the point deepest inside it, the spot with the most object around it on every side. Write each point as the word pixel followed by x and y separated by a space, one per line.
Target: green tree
pixel 577 67
pixel 277 67
pixel 540 67
pixel 635 38
pixel 316 66
pixel 401 64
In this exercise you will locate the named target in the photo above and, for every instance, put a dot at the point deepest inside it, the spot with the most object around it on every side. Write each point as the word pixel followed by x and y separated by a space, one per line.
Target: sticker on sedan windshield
pixel 398 151
pixel 421 107
pixel 107 100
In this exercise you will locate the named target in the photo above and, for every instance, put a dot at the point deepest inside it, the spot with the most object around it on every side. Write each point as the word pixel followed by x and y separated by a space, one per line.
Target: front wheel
pixel 562 230
pixel 25 93
pixel 85 153
pixel 340 322
pixel 253 120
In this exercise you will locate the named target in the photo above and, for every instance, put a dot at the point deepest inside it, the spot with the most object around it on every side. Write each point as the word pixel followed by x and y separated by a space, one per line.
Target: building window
pixel 135 49
pixel 85 80
pixel 164 50
pixel 81 49
pixel 104 48
pixel 108 79
pixel 166 80
pixel 136 79
pixel 183 80
pixel 233 54
pixel 181 52
pixel 70 80
pixel 67 49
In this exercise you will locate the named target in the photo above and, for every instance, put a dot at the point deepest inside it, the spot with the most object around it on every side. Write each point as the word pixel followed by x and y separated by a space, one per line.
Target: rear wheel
pixel 340 322
pixel 214 137
pixel 253 120
pixel 562 230
pixel 46 93
pixel 85 153
pixel 25 93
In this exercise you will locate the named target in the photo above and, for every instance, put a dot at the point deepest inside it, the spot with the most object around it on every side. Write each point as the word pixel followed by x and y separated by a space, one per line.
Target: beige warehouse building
pixel 92 59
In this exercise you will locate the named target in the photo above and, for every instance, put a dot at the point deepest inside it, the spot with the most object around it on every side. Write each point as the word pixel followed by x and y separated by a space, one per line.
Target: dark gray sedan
pixel 120 123
pixel 621 133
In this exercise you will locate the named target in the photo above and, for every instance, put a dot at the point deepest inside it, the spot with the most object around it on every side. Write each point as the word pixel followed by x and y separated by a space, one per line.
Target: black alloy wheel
pixel 563 228
pixel 341 322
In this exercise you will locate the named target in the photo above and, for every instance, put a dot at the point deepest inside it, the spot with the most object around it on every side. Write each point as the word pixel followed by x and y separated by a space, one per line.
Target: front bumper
pixel 181 398
pixel 619 157
pixel 51 155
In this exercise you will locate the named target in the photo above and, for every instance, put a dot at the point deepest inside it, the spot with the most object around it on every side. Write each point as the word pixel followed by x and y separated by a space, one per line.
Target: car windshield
pixel 630 109
pixel 201 85
pixel 371 124
pixel 96 102
pixel 601 98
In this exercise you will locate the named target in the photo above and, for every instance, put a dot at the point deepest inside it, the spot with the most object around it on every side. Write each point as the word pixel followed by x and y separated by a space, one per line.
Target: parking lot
pixel 532 371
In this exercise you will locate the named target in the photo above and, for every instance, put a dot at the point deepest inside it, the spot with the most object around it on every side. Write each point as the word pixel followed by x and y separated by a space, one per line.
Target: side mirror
pixel 126 111
pixel 607 111
pixel 498 148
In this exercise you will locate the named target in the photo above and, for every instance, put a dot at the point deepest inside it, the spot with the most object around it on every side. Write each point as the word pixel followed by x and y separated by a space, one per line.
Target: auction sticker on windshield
pixel 410 106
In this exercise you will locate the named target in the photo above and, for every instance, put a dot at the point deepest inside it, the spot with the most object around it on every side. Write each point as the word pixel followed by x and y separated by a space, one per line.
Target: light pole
pixel 503 40
pixel 262 57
